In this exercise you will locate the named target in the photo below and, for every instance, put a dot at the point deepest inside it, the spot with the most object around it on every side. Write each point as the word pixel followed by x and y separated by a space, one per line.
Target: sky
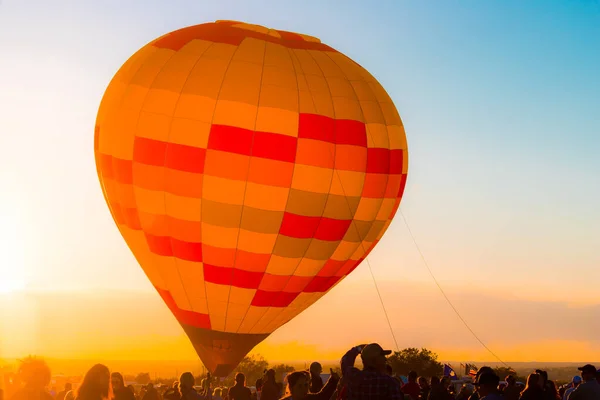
pixel 500 104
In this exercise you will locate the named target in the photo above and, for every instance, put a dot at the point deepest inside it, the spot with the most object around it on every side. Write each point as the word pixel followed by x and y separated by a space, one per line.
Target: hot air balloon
pixel 249 170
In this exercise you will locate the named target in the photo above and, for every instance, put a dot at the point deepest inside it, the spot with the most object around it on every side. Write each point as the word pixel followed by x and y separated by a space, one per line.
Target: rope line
pixel 443 292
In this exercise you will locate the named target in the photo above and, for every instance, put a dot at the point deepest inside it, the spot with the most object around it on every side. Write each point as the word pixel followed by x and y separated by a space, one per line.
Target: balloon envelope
pixel 249 170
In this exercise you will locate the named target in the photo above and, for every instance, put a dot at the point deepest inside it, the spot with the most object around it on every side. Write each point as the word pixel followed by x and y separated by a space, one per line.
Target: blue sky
pixel 500 101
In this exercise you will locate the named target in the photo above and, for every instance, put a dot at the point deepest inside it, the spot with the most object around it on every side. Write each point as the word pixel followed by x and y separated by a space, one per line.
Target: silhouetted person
pixel 151 392
pixel 61 395
pixel 511 391
pixel 186 387
pixel 270 388
pixel 239 391
pixel 425 388
pixel 482 370
pixel 36 375
pixel 590 388
pixel 299 382
pixel 316 382
pixel 533 389
pixel 487 386
pixel 439 389
pixel 411 387
pixel 120 392
pixel 372 379
pixel 95 385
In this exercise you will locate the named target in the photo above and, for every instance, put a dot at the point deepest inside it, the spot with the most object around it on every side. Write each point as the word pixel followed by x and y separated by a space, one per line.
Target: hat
pixel 373 350
pixel 488 378
pixel 576 379
pixel 588 369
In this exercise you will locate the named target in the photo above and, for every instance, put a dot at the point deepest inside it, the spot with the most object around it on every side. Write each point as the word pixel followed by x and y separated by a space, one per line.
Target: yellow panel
pixel 277 120
pixel 233 324
pixel 282 265
pixel 253 315
pixel 377 136
pixel 346 108
pixel 217 321
pixel 153 126
pixel 185 208
pixel 175 72
pixel 240 296
pixel 390 114
pixel 379 92
pixel 385 227
pixel 301 82
pixel 241 83
pixel 220 51
pixel 317 83
pixel 278 56
pixel 236 114
pixel 206 77
pixel 323 104
pixel 386 208
pixel 253 242
pixel 118 138
pixel 150 201
pixel 169 272
pixel 195 47
pixel 133 98
pixel 279 97
pixel 344 250
pixel 372 112
pixel 361 250
pixel 397 137
pixel 340 87
pixel 189 132
pixel 192 275
pixel 328 67
pixel 199 108
pixel 250 50
pixel 151 67
pixel 218 294
pixel 282 78
pixel 351 70
pixel 367 209
pixel 161 101
pixel 111 101
pixel 271 198
pixel 308 267
pixel 223 190
pixel 217 236
pixel 136 241
pixel 405 162
pixel 312 179
pixel 133 64
pixel 271 314
pixel 347 183
pixel 307 63
pixel 306 103
pixel 363 91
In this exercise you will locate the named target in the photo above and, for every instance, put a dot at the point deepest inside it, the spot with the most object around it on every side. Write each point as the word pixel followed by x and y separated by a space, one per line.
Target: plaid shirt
pixel 368 384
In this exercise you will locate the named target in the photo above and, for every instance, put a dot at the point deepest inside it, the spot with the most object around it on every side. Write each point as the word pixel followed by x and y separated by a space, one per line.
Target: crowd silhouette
pixel 375 380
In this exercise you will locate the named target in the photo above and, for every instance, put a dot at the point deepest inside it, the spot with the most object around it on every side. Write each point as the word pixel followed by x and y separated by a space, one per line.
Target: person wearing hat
pixel 372 382
pixel 482 370
pixel 574 383
pixel 487 386
pixel 590 388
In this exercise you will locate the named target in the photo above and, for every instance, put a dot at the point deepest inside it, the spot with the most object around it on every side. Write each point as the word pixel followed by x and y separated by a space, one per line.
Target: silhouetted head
pixel 240 378
pixel 34 372
pixel 533 380
pixel 487 383
pixel 187 380
pixel 374 356
pixel 298 383
pixel 423 382
pixel 117 381
pixel 96 384
pixel 412 376
pixel 316 368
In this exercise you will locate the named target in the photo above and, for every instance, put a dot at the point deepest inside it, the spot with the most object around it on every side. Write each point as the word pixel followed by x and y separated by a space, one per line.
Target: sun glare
pixel 12 250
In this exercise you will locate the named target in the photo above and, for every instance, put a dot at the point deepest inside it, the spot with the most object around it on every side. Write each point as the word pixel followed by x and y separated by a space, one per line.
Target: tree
pixel 423 361
pixel 252 367
pixel 143 378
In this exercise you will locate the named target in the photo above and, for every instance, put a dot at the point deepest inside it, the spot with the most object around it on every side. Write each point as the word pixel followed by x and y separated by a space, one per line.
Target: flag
pixel 449 372
pixel 472 370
